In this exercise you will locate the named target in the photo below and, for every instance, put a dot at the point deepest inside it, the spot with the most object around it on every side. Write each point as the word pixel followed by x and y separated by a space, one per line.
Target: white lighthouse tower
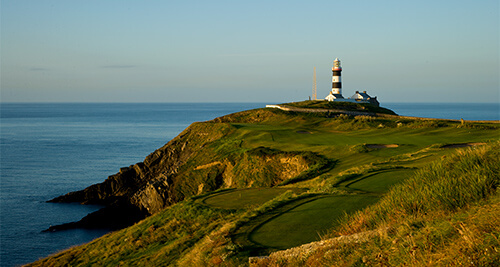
pixel 336 92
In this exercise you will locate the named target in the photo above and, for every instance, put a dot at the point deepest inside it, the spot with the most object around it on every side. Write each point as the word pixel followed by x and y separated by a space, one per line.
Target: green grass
pixel 314 215
pixel 447 214
pixel 378 182
pixel 336 144
pixel 245 198
pixel 417 137
pixel 159 240
pixel 308 221
pixel 252 148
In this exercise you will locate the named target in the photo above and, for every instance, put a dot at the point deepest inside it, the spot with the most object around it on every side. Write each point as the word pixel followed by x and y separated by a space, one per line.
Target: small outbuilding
pixel 364 97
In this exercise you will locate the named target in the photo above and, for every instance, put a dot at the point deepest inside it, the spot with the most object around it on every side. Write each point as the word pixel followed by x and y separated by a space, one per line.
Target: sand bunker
pixel 462 145
pixel 381 145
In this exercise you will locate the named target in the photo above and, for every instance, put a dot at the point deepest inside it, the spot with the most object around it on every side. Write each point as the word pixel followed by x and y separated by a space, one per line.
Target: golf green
pixel 380 182
pixel 306 222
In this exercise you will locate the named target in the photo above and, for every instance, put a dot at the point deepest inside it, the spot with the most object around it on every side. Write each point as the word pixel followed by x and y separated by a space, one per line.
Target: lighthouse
pixel 336 92
pixel 336 81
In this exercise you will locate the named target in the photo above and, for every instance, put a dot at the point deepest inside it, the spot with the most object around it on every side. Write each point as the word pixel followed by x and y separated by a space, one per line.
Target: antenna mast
pixel 314 94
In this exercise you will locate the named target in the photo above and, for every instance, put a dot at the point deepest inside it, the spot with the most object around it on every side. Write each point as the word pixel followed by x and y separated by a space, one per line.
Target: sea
pixel 49 149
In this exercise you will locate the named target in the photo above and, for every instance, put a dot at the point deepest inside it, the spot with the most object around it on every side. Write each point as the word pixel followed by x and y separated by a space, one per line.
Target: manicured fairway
pixel 306 222
pixel 242 198
pixel 379 182
pixel 278 134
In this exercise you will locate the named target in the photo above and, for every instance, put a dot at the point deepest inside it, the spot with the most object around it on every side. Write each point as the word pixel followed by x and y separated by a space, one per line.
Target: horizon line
pixel 219 102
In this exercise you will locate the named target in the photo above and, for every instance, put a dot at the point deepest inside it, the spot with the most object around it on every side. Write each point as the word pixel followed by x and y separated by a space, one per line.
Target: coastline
pixel 81 122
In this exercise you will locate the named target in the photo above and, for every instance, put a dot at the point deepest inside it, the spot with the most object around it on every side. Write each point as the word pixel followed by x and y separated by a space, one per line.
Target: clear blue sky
pixel 247 51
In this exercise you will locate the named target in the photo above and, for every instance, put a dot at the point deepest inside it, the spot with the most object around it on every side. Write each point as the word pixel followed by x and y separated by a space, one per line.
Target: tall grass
pixel 156 241
pixel 469 175
pixel 447 214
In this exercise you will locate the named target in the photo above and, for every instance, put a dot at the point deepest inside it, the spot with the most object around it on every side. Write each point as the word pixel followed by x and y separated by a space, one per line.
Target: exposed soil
pixel 209 165
pixel 382 145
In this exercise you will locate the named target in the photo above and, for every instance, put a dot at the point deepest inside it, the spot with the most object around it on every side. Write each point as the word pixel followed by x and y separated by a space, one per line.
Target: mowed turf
pixel 337 144
pixel 244 198
pixel 288 227
pixel 306 222
pixel 279 134
pixel 202 230
pixel 379 182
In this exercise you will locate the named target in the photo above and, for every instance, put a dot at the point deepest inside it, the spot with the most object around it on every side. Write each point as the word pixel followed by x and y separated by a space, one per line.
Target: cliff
pixel 411 188
pixel 201 159
pixel 253 148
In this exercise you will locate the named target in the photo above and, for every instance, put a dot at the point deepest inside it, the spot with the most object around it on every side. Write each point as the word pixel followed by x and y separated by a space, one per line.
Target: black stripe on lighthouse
pixel 336 73
pixel 336 85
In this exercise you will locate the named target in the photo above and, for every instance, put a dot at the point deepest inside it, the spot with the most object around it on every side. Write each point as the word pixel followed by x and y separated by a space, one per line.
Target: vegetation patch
pixel 379 182
pixel 447 214
pixel 307 222
pixel 348 106
pixel 159 240
pixel 226 175
pixel 246 198
pixel 319 165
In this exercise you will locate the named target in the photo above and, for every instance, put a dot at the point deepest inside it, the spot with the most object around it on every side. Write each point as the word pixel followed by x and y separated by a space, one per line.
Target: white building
pixel 336 92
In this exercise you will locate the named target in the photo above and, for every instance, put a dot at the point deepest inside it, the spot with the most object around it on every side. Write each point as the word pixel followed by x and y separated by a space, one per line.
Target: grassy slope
pixel 193 233
pixel 156 241
pixel 447 214
pixel 245 198
pixel 308 221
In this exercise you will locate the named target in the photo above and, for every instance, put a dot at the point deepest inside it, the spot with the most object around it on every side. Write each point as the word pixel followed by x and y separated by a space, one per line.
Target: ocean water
pixel 47 150
pixel 454 111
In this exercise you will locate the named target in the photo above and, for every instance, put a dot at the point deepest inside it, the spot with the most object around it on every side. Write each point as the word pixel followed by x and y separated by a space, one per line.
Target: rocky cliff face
pixel 141 189
pixel 189 164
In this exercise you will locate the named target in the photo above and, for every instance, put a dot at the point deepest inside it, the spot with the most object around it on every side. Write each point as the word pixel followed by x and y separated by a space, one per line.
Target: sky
pixel 247 51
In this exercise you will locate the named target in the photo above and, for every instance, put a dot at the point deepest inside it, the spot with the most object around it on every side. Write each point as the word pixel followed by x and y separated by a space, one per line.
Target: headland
pixel 251 183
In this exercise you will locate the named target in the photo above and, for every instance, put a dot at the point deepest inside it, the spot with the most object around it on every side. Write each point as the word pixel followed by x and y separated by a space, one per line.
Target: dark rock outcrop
pixel 136 191
pixel 113 217
pixel 202 158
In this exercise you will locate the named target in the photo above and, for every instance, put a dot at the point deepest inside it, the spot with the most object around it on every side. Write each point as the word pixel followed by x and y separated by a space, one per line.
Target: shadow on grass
pixel 242 235
pixel 246 197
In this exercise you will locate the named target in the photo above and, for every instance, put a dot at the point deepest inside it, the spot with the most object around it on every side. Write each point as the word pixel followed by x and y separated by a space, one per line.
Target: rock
pixel 170 174
pixel 134 192
pixel 112 217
